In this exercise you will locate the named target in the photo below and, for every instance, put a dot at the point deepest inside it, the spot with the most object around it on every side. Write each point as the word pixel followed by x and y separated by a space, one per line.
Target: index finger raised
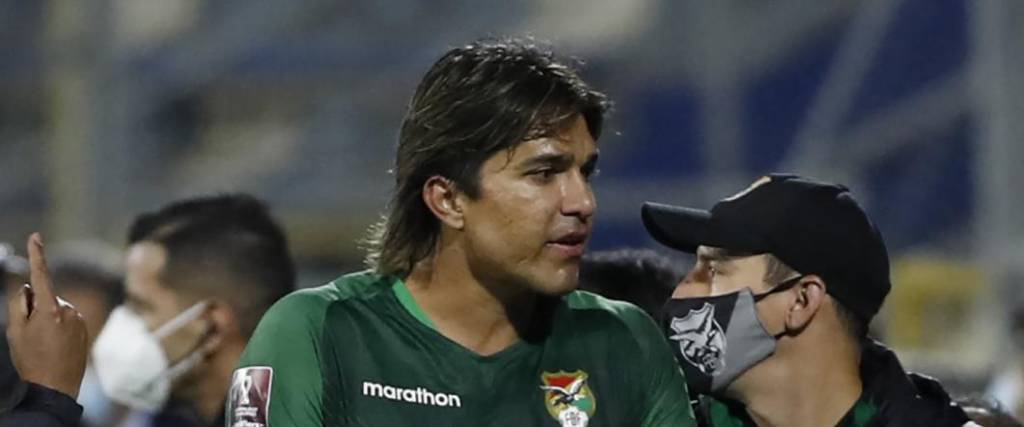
pixel 39 275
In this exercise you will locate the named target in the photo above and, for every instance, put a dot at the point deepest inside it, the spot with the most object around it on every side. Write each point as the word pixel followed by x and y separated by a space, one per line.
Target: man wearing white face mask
pixel 770 324
pixel 199 275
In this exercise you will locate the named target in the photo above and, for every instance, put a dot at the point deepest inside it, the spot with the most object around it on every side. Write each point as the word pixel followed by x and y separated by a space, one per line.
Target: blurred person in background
pixel 469 316
pixel 987 412
pixel 1007 385
pixel 13 273
pixel 770 325
pixel 88 274
pixel 642 277
pixel 199 274
pixel 48 347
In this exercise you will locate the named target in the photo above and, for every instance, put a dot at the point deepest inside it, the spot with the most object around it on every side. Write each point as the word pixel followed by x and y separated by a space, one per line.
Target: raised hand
pixel 47 335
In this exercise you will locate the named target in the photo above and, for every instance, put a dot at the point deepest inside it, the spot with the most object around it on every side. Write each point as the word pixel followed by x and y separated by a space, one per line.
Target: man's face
pixel 156 304
pixel 716 272
pixel 535 212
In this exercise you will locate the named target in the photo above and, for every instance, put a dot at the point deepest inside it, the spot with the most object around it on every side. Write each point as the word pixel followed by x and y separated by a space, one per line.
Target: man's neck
pixel 213 389
pixel 790 394
pixel 485 318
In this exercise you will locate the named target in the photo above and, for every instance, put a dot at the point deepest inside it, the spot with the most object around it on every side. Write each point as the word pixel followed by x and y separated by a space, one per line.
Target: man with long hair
pixel 469 315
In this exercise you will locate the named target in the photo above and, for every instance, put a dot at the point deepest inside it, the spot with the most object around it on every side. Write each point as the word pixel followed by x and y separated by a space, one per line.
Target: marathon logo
pixel 249 397
pixel 418 395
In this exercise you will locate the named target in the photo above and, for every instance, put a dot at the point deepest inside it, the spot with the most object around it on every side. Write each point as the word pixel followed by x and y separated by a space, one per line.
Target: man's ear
pixel 810 295
pixel 441 197
pixel 223 325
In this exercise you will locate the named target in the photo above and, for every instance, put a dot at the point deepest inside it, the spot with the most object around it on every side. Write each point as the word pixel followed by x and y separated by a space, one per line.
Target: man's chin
pixel 562 282
pixel 558 291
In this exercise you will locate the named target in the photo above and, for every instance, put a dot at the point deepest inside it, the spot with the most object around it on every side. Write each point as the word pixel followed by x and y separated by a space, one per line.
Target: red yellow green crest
pixel 566 392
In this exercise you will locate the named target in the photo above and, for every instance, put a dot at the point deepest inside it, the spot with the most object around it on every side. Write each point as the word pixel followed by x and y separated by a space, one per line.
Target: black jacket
pixel 891 397
pixel 43 407
pixel 11 387
pixel 905 399
pixel 30 405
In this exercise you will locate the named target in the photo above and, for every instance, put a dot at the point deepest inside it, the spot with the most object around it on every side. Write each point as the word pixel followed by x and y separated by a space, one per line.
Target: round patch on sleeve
pixel 249 397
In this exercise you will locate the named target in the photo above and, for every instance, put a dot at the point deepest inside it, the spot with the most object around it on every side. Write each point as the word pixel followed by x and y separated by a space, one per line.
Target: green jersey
pixel 360 352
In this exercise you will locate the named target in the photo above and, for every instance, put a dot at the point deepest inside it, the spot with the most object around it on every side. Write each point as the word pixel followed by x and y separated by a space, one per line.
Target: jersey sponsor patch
pixel 568 398
pixel 249 397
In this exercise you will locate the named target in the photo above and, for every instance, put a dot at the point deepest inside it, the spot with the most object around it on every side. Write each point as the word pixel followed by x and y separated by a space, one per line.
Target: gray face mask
pixel 717 338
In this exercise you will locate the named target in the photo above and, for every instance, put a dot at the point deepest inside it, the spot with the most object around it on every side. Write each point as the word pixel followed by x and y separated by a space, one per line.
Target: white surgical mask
pixel 130 363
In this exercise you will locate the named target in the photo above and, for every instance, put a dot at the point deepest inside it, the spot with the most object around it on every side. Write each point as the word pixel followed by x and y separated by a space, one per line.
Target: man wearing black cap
pixel 770 324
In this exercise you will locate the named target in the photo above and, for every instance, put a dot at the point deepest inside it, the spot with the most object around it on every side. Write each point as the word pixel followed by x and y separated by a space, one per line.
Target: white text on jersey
pixel 418 395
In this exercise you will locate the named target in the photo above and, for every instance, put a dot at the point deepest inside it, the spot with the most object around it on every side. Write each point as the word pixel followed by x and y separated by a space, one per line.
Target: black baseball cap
pixel 814 227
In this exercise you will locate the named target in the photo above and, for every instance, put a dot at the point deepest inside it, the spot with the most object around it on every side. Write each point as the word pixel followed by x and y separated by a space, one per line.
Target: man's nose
pixel 578 197
pixel 689 287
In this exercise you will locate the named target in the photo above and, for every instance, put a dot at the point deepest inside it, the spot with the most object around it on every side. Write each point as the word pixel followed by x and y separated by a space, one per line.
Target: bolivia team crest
pixel 568 398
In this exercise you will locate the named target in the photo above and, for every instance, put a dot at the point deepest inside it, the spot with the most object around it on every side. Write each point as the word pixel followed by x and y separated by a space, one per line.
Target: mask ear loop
pixel 183 366
pixel 179 321
pixel 189 362
pixel 781 287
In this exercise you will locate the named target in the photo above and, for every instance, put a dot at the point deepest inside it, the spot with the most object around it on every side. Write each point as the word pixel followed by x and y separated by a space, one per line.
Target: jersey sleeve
pixel 278 381
pixel 664 396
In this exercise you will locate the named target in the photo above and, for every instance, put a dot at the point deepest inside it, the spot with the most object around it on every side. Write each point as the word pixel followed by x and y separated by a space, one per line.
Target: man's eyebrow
pixel 549 159
pixel 707 254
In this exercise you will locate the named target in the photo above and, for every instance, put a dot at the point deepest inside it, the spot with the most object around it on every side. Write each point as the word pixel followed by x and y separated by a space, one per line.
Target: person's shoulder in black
pixel 903 398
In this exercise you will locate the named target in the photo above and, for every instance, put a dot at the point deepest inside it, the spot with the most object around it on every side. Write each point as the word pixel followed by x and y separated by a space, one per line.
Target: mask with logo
pixel 717 338
pixel 130 363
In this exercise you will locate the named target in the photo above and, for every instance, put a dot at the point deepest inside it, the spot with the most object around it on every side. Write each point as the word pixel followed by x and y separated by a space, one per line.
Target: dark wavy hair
pixel 476 100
